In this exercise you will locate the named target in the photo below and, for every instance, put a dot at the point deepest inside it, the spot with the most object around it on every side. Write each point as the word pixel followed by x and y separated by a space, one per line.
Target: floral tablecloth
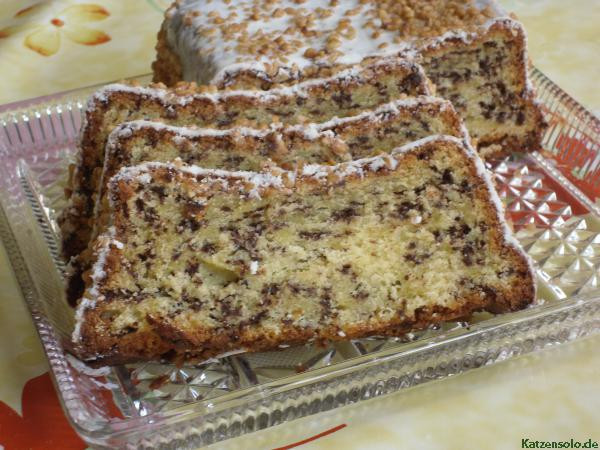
pixel 51 46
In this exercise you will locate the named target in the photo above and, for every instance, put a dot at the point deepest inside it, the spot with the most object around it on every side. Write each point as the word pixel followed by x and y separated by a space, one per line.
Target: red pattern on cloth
pixel 43 424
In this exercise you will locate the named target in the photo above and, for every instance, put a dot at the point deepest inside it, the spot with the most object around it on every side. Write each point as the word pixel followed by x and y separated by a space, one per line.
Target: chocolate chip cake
pixel 199 262
pixel 345 94
pixel 242 148
pixel 484 74
pixel 474 53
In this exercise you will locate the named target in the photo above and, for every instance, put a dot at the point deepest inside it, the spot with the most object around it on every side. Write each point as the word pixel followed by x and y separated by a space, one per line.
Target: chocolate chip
pixel 359 293
pixel 227 310
pixel 190 223
pixel 342 99
pixel 419 190
pixel 192 268
pixel 209 248
pixel 345 214
pixel 145 255
pixel 412 81
pixel 313 235
pixel 139 205
pixel 150 215
pixel 467 254
pixel 325 303
pixel 465 186
pixel 501 87
pixel 417 258
pixel 447 177
pixel 192 208
pixel 258 317
pixel 270 289
pixel 234 161
pixel 160 191
pixel 424 155
pixel 403 208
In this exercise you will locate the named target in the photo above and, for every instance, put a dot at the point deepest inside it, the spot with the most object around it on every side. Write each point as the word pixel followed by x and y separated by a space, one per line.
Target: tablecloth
pixel 52 46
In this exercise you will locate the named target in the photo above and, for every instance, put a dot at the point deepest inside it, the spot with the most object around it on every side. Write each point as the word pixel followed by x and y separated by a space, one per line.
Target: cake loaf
pixel 240 148
pixel 477 58
pixel 199 262
pixel 347 93
pixel 259 44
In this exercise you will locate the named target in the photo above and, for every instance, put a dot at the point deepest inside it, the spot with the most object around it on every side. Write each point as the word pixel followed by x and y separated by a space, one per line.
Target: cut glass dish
pixel 550 199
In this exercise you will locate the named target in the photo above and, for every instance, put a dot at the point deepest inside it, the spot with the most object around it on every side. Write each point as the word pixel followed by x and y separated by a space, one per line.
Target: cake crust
pixel 179 335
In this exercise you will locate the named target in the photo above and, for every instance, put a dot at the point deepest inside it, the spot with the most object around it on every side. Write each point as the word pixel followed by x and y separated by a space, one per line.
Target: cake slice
pixel 241 148
pixel 474 53
pixel 286 146
pixel 485 75
pixel 199 262
pixel 348 93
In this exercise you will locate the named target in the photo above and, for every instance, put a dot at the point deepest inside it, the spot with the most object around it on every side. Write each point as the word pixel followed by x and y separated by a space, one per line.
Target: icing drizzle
pixel 216 39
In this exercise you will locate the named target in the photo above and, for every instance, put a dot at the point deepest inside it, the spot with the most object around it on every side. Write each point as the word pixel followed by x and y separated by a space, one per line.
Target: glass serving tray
pixel 550 200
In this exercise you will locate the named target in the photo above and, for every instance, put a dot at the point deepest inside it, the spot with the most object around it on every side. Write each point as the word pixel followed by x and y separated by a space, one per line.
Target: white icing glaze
pixel 142 173
pixel 211 58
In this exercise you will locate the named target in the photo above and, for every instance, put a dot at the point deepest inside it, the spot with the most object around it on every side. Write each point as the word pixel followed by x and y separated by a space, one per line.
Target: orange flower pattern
pixel 43 424
pixel 44 38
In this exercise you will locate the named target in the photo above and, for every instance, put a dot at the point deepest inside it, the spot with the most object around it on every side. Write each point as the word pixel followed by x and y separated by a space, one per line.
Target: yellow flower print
pixel 45 26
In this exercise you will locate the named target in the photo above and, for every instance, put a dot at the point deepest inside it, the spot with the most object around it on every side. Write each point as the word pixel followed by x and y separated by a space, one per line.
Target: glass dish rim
pixel 95 430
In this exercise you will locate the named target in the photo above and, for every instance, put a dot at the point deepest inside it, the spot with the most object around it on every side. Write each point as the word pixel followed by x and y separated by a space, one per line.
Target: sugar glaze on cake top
pixel 214 38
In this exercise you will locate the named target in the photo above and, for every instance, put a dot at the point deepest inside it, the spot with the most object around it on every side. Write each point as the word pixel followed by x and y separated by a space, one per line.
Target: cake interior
pixel 315 102
pixel 241 149
pixel 486 83
pixel 244 149
pixel 377 255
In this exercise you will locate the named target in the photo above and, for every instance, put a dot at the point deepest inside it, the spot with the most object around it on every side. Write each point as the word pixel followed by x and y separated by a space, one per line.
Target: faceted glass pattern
pixel 550 202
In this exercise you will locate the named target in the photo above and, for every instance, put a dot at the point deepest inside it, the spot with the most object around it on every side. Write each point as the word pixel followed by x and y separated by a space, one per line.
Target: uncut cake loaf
pixel 199 262
pixel 241 148
pixel 476 57
pixel 345 94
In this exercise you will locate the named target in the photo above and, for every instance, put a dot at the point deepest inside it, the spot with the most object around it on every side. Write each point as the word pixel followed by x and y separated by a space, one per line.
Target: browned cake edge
pixel 163 341
pixel 166 68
